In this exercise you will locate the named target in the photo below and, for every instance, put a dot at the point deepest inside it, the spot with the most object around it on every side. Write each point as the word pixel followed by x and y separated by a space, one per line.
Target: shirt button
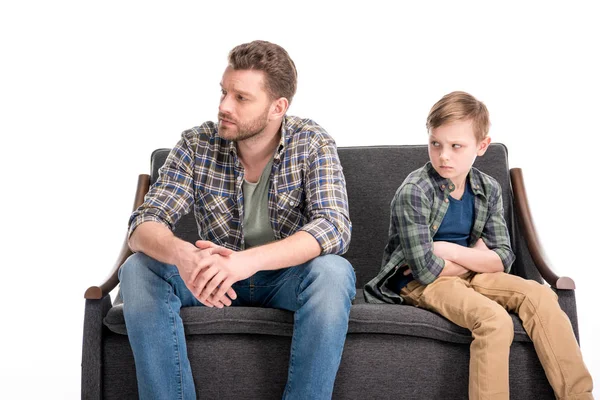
pixel 434 227
pixel 446 200
pixel 451 186
pixel 443 187
pixel 292 203
pixel 213 207
pixel 239 178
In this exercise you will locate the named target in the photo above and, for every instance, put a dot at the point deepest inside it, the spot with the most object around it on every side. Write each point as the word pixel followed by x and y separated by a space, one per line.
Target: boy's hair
pixel 280 72
pixel 458 106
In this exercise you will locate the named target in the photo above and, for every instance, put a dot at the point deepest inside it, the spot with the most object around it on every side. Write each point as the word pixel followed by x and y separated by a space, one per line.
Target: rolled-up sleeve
pixel 411 210
pixel 495 232
pixel 172 195
pixel 327 200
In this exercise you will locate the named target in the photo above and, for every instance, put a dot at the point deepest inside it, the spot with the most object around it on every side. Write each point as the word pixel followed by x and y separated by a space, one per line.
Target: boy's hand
pixel 480 245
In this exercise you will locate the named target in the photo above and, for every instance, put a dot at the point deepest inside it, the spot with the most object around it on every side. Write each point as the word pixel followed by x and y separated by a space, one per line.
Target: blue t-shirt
pixel 455 227
pixel 458 221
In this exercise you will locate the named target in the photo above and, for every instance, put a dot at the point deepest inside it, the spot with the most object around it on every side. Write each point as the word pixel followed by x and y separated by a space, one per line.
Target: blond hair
pixel 460 106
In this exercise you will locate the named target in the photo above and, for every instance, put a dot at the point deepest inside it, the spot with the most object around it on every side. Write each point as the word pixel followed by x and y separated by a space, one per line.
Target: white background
pixel 88 90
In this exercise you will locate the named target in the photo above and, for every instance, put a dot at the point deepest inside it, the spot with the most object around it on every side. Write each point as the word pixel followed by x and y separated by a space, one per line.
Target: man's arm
pixel 157 241
pixel 327 231
pixel 219 273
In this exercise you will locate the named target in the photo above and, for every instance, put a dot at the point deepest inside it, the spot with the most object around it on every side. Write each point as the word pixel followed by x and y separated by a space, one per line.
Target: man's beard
pixel 245 130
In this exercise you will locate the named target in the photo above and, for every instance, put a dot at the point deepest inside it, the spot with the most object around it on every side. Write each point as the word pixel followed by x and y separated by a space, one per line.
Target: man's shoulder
pixel 204 132
pixel 301 129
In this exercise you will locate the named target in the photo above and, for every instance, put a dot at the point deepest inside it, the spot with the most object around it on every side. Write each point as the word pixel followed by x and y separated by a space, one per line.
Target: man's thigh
pixel 282 288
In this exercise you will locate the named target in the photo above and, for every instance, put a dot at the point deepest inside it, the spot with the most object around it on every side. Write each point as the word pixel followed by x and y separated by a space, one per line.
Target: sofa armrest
pixel 533 243
pixel 98 292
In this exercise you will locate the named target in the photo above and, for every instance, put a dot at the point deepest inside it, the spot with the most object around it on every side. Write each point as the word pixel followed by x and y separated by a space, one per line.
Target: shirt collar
pixel 445 184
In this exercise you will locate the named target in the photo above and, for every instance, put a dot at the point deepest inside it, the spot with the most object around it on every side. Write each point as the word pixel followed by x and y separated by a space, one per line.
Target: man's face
pixel 245 105
pixel 453 149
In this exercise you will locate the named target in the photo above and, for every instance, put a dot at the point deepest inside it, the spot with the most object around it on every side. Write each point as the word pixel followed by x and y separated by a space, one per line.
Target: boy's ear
pixel 483 146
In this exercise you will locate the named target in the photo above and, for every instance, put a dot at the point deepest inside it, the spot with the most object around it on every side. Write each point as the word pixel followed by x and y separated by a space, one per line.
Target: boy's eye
pixel 456 146
pixel 435 144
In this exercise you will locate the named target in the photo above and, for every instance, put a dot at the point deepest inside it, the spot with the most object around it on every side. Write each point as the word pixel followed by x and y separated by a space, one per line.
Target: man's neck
pixel 256 152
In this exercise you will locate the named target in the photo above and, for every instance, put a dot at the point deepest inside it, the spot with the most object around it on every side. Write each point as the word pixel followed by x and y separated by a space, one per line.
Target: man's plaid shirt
pixel 417 211
pixel 307 189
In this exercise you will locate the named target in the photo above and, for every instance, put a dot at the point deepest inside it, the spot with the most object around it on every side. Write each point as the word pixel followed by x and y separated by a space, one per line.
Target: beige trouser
pixel 478 302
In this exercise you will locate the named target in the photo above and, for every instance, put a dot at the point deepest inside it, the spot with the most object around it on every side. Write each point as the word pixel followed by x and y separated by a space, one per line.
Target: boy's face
pixel 453 149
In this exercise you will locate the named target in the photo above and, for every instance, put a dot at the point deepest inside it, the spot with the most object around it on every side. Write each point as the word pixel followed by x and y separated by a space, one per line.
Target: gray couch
pixel 391 351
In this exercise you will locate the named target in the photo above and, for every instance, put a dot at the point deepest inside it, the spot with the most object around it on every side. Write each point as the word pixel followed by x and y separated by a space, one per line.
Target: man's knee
pixel 540 296
pixel 333 272
pixel 136 265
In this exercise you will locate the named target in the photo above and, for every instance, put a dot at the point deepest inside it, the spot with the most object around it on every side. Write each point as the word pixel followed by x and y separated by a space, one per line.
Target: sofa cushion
pixel 364 318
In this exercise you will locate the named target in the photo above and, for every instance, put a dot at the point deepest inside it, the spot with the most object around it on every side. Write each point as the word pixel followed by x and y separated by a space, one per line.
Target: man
pixel 269 198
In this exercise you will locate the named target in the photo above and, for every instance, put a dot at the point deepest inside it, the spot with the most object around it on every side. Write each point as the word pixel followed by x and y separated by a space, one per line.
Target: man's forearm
pixel 291 251
pixel 157 241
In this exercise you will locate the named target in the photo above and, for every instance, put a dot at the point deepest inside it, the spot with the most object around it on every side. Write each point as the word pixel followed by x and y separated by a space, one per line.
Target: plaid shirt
pixel 417 211
pixel 307 189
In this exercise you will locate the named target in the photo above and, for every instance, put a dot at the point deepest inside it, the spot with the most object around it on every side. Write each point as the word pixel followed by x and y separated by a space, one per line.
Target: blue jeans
pixel 319 292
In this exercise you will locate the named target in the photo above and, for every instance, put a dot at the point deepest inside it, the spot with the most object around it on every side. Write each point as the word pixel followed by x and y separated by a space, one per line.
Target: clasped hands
pixel 209 271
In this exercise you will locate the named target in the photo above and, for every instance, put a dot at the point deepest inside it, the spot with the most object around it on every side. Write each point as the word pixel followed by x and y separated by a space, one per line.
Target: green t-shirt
pixel 257 228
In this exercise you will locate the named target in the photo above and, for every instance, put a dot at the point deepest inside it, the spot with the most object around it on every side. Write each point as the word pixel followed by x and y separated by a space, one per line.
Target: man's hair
pixel 280 72
pixel 460 106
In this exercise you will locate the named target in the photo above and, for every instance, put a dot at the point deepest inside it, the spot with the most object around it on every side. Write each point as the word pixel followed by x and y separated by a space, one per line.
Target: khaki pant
pixel 478 302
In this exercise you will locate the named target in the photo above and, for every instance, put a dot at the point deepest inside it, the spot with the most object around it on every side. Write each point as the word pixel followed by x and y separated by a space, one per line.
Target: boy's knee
pixel 495 319
pixel 540 295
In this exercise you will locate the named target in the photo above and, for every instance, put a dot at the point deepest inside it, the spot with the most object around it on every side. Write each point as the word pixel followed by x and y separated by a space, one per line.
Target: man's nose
pixel 225 106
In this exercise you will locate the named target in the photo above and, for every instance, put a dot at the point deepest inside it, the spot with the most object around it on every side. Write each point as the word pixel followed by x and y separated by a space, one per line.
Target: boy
pixel 450 247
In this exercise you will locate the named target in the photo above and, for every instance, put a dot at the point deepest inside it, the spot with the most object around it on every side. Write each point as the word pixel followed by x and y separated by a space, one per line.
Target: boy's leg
pixel 320 293
pixel 490 324
pixel 548 327
pixel 153 293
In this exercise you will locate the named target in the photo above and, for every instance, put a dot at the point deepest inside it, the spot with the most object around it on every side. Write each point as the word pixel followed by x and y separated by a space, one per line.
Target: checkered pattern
pixel 417 211
pixel 307 189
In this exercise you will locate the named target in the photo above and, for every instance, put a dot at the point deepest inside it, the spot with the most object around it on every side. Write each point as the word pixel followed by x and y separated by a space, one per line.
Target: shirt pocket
pixel 215 216
pixel 290 209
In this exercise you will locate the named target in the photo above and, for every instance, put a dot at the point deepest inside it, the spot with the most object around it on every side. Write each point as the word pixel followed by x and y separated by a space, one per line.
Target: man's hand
pixel 217 273
pixel 189 264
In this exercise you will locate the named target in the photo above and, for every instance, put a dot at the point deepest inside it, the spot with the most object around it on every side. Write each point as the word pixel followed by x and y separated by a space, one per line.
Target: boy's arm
pixel 411 209
pixel 478 258
pixel 492 252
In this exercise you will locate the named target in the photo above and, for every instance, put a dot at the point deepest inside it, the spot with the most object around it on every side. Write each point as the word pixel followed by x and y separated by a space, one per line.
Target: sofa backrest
pixel 372 176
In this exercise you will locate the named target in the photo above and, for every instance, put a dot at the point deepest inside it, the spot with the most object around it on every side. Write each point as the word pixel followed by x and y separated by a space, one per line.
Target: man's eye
pixel 241 98
pixel 223 92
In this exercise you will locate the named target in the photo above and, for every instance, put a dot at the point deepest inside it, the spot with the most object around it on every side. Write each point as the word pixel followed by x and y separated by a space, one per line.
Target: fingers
pixel 212 286
pixel 407 272
pixel 214 248
pixel 224 288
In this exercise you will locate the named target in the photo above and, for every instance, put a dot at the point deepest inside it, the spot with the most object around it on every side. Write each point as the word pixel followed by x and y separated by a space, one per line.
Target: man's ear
pixel 483 146
pixel 279 107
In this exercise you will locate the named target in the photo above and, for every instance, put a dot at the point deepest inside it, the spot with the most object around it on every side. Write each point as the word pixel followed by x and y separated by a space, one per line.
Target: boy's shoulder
pixel 424 179
pixel 480 181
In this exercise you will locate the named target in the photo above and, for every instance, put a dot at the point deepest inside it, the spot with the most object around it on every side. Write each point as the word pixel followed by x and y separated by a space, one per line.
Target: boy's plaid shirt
pixel 307 189
pixel 417 211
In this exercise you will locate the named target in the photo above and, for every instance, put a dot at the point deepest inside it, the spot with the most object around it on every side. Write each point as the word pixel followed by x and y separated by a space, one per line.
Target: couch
pixel 391 351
